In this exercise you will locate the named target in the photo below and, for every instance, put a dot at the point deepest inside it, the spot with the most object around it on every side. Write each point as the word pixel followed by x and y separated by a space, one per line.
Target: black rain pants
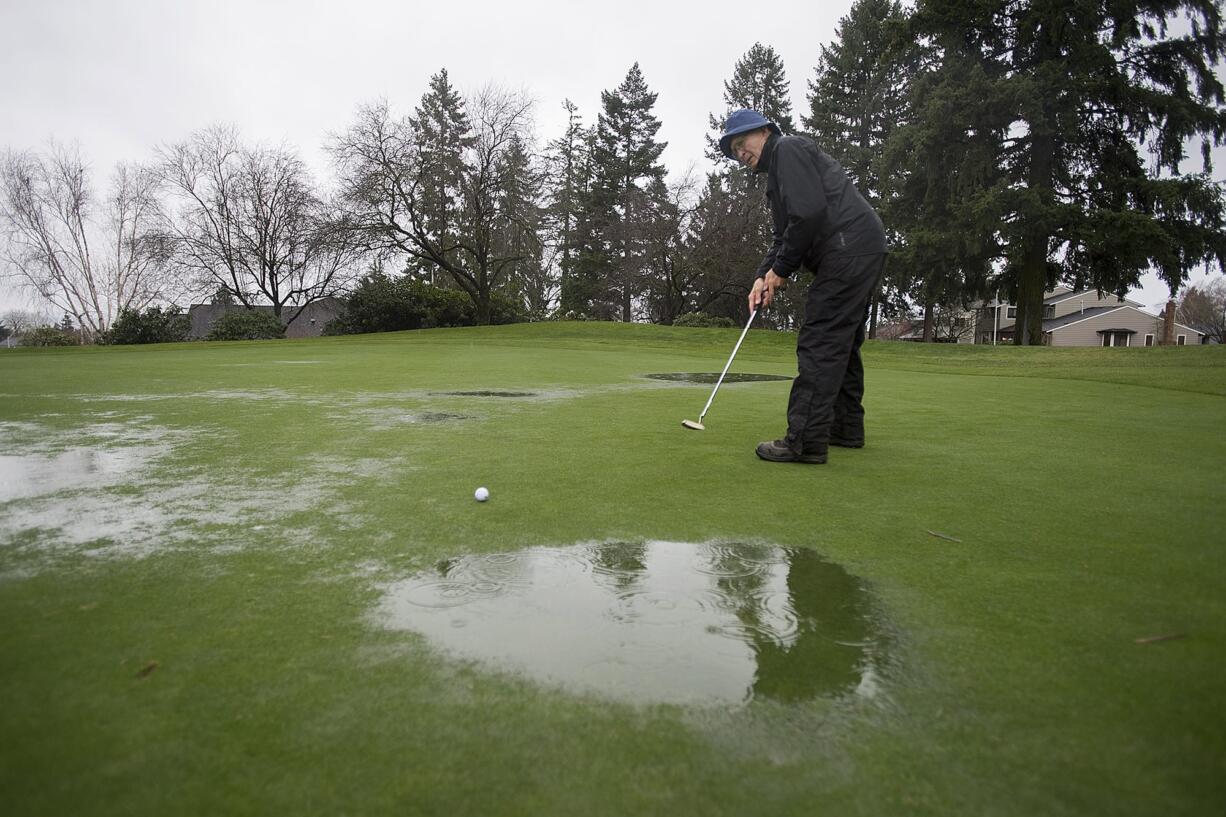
pixel 828 391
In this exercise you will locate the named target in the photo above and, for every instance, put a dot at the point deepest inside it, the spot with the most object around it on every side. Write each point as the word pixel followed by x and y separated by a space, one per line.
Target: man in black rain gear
pixel 820 222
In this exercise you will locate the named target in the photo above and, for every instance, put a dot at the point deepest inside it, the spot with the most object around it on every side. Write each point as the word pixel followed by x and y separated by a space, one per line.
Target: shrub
pixel 246 324
pixel 49 336
pixel 383 304
pixel 154 325
pixel 440 307
pixel 704 320
pixel 506 310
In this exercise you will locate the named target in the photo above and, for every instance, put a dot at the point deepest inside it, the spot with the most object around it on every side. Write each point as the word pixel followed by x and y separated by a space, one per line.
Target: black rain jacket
pixel 817 211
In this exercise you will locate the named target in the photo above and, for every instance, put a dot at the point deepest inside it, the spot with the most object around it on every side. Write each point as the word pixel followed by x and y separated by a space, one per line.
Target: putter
pixel 697 425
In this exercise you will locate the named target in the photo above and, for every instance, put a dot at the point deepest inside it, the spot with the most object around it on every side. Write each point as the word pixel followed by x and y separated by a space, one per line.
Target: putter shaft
pixel 727 365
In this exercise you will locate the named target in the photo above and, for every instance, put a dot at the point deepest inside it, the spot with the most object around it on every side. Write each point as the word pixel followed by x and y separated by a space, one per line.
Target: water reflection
pixel 659 622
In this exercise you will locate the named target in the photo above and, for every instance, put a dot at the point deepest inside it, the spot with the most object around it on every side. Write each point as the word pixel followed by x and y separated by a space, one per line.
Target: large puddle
pixel 31 475
pixel 660 622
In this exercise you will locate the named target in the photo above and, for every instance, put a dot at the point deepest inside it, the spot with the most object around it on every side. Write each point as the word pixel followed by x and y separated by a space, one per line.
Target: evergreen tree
pixel 1089 88
pixel 441 134
pixel 569 159
pixel 733 224
pixel 758 82
pixel 518 227
pixel 858 98
pixel 386 180
pixel 590 295
pixel 624 190
pixel 941 179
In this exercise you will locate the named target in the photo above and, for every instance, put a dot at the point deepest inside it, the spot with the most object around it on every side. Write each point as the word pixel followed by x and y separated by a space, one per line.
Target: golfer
pixel 821 222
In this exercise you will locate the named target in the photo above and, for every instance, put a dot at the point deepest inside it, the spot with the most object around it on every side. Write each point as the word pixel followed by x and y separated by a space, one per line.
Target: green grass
pixel 285 484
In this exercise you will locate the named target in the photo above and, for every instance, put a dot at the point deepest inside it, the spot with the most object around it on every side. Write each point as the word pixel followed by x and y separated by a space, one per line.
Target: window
pixel 1149 340
pixel 1049 312
pixel 1011 312
pixel 1116 338
pixel 1182 340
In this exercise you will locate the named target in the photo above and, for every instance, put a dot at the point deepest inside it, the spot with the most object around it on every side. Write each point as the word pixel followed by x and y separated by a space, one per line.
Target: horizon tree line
pixel 1009 146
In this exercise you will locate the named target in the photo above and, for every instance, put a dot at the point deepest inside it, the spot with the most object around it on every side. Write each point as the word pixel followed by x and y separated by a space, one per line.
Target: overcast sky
pixel 120 77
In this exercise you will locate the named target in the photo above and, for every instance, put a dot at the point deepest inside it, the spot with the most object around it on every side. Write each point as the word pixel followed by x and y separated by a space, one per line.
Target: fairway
pixel 201 546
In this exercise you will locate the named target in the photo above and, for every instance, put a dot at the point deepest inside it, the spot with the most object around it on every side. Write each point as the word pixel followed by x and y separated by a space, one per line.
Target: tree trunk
pixel 1032 283
pixel 1168 325
pixel 928 323
pixel 482 304
pixel 626 286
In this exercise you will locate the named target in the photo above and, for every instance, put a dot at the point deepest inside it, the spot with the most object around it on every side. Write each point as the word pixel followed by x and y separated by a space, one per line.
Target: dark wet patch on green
pixel 658 622
pixel 711 377
pixel 438 417
pixel 483 394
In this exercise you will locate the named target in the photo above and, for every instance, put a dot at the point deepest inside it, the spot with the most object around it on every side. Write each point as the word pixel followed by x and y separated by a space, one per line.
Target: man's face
pixel 747 148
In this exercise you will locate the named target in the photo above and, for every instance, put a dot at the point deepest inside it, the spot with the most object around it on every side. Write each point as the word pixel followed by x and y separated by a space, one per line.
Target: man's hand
pixel 763 291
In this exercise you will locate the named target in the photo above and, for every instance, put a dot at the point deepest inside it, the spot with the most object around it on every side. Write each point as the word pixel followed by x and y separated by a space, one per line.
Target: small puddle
pixel 386 418
pixel 483 394
pixel 660 622
pixel 711 377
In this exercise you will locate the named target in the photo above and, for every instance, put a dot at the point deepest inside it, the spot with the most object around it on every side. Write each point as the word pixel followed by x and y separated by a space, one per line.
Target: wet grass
pixel 200 638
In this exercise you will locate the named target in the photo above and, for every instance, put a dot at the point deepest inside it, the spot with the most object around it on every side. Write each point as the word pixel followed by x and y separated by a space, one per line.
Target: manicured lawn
pixel 195 539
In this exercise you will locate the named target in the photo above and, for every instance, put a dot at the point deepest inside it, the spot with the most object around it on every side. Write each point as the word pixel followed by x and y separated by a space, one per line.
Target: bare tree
pixel 17 322
pixel 952 323
pixel 248 220
pixel 1204 309
pixel 386 184
pixel 674 281
pixel 86 258
pixel 727 244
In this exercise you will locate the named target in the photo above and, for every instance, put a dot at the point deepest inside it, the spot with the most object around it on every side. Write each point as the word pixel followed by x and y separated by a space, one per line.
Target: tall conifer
pixel 441 132
pixel 626 165
pixel 734 224
pixel 858 98
pixel 1101 99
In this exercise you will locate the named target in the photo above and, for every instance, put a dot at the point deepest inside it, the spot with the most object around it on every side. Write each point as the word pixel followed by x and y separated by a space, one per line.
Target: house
pixel 1081 318
pixel 310 324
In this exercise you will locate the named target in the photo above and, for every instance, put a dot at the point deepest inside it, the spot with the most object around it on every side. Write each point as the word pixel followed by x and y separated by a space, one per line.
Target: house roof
pixel 1056 324
pixel 1060 297
pixel 1052 324
pixel 1077 317
pixel 1060 294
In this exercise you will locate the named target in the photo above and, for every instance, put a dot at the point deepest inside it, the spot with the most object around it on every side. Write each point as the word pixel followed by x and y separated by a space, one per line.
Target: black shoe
pixel 844 442
pixel 778 451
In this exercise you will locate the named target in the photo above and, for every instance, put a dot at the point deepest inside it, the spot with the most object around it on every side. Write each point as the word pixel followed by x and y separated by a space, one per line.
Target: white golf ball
pixel 481 494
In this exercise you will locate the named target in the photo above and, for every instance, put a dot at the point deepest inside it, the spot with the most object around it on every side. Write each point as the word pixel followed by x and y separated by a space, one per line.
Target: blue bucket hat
pixel 742 121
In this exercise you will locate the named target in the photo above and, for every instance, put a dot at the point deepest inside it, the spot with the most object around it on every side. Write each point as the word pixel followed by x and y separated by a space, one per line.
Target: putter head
pixel 697 426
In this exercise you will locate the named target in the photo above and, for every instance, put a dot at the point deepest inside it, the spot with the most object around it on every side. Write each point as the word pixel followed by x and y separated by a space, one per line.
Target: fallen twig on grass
pixel 943 536
pixel 147 670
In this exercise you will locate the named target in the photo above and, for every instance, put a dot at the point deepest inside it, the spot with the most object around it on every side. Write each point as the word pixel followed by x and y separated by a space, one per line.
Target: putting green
pixel 199 545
